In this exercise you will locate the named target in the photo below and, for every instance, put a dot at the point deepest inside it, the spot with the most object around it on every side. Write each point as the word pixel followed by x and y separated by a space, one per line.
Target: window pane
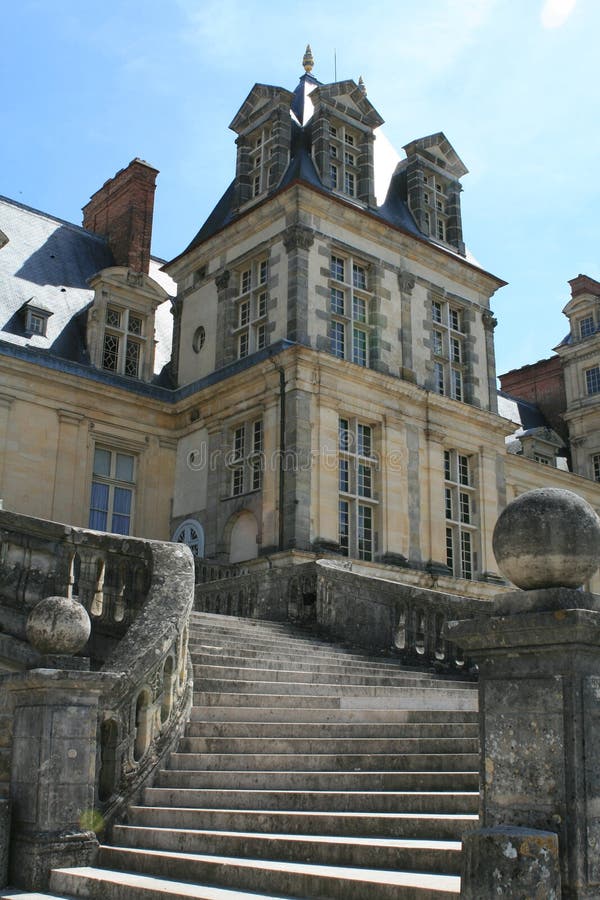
pixel 365 480
pixel 113 317
pixel 337 302
pixel 122 501
pixel 365 532
pixel 359 346
pixel 132 359
pixel 101 462
pixel 110 352
pixel 359 309
pixel 344 476
pixel 344 434
pixel 592 380
pixel 337 268
pixel 359 277
pixel 344 526
pixel 338 343
pixel 364 440
pixel 124 470
pixel 135 325
pixel 99 506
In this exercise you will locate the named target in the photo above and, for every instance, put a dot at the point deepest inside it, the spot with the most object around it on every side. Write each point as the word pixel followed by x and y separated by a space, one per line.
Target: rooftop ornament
pixel 308 60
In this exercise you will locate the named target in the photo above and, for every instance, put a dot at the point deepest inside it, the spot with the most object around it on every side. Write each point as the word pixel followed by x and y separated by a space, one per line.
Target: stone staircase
pixel 306 771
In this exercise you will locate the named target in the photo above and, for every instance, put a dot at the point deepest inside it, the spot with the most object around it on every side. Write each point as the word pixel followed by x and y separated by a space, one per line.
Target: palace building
pixel 313 375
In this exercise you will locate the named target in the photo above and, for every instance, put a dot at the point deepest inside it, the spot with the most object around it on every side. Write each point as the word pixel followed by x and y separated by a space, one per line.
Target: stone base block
pixel 510 862
pixel 32 857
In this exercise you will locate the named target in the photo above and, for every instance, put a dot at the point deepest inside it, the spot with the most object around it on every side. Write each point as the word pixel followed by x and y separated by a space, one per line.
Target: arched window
pixel 191 533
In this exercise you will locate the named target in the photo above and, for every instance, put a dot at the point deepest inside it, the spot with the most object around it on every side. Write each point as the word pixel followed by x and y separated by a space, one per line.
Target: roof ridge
pixel 52 218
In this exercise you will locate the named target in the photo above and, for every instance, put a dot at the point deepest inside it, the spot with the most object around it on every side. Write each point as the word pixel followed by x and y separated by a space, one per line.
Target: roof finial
pixel 308 60
pixel 361 85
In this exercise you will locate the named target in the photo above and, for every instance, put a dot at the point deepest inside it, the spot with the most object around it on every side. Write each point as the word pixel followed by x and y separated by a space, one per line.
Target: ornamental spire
pixel 308 60
pixel 361 86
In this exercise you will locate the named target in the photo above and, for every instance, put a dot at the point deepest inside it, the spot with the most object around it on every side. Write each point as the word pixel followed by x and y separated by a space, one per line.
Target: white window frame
pixel 460 512
pixel 448 349
pixel 344 158
pixel 246 461
pixel 357 482
pixel 116 488
pixel 592 381
pixel 124 336
pixel 350 303
pixel 251 314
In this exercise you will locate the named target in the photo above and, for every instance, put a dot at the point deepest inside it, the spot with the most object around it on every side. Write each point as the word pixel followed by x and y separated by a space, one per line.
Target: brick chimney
pixel 122 211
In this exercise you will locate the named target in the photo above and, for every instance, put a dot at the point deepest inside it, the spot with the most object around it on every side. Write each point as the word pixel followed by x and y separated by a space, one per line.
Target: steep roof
pixel 46 263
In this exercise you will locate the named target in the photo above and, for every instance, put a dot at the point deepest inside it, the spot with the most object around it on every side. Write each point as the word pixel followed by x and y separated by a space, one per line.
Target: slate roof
pixel 47 263
pixel 394 210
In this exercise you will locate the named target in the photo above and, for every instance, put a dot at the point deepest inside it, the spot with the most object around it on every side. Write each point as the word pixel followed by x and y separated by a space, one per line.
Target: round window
pixel 198 339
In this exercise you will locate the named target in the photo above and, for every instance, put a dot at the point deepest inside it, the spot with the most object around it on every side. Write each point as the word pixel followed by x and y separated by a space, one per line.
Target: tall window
pixel 592 380
pixel 246 458
pixel 251 308
pixel 460 513
pixel 349 305
pixel 596 466
pixel 343 159
pixel 261 161
pixel 357 502
pixel 586 326
pixel 448 349
pixel 113 484
pixel 124 341
pixel 435 191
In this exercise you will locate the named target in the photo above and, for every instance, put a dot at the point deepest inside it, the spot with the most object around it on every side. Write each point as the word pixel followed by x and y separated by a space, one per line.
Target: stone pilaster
pixel 297 240
pixel 406 283
pixel 6 403
pixel 67 457
pixel 226 292
pixel 489 324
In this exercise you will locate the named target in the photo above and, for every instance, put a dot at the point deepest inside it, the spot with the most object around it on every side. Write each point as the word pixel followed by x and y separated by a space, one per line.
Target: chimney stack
pixel 122 212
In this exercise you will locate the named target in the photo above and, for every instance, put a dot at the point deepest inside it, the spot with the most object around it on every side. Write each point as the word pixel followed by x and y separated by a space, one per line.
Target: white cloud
pixel 556 12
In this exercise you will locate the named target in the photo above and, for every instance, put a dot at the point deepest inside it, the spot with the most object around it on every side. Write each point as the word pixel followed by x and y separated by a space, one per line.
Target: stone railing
pixel 133 676
pixel 386 616
pixel 382 615
pixel 208 570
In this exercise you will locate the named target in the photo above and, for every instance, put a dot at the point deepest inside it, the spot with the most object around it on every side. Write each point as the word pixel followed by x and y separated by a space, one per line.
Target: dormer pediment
pixel 437 149
pixel 261 99
pixel 585 295
pixel 134 287
pixel 349 100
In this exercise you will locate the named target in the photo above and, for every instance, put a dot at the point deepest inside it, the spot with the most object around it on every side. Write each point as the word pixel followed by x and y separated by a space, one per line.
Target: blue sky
pixel 87 86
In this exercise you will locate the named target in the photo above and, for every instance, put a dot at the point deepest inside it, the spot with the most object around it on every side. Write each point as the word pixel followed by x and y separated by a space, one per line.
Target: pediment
pixel 349 99
pixel 122 281
pixel 261 98
pixel 440 151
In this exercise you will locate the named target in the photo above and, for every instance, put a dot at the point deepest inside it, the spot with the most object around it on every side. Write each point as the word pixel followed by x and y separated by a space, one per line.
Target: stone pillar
pixel 297 240
pixel 63 507
pixel 406 283
pixel 538 654
pixel 53 771
pixel 489 324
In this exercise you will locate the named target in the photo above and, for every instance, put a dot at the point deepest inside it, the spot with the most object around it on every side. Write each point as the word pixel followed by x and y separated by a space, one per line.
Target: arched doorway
pixel 243 538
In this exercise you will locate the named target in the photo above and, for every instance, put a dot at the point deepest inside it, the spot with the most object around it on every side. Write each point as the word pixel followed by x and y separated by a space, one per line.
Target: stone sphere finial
pixel 547 538
pixel 58 626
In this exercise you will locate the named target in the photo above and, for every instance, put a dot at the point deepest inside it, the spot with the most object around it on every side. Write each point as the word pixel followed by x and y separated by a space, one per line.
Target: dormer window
pixel 124 342
pixel 343 168
pixel 262 150
pixel 36 319
pixel 586 326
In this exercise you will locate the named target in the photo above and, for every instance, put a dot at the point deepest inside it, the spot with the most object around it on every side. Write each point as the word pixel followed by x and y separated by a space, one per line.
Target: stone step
pixel 246 675
pixel 102 884
pixel 347 745
pixel 234 685
pixel 415 800
pixel 324 661
pixel 319 781
pixel 332 729
pixel 287 644
pixel 262 714
pixel 262 762
pixel 350 698
pixel 298 880
pixel 381 853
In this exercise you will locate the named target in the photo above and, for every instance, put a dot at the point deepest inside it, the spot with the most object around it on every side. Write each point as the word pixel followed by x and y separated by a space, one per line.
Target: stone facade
pixel 331 386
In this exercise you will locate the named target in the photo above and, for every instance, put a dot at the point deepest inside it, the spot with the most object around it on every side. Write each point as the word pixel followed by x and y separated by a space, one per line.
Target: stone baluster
pixel 538 653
